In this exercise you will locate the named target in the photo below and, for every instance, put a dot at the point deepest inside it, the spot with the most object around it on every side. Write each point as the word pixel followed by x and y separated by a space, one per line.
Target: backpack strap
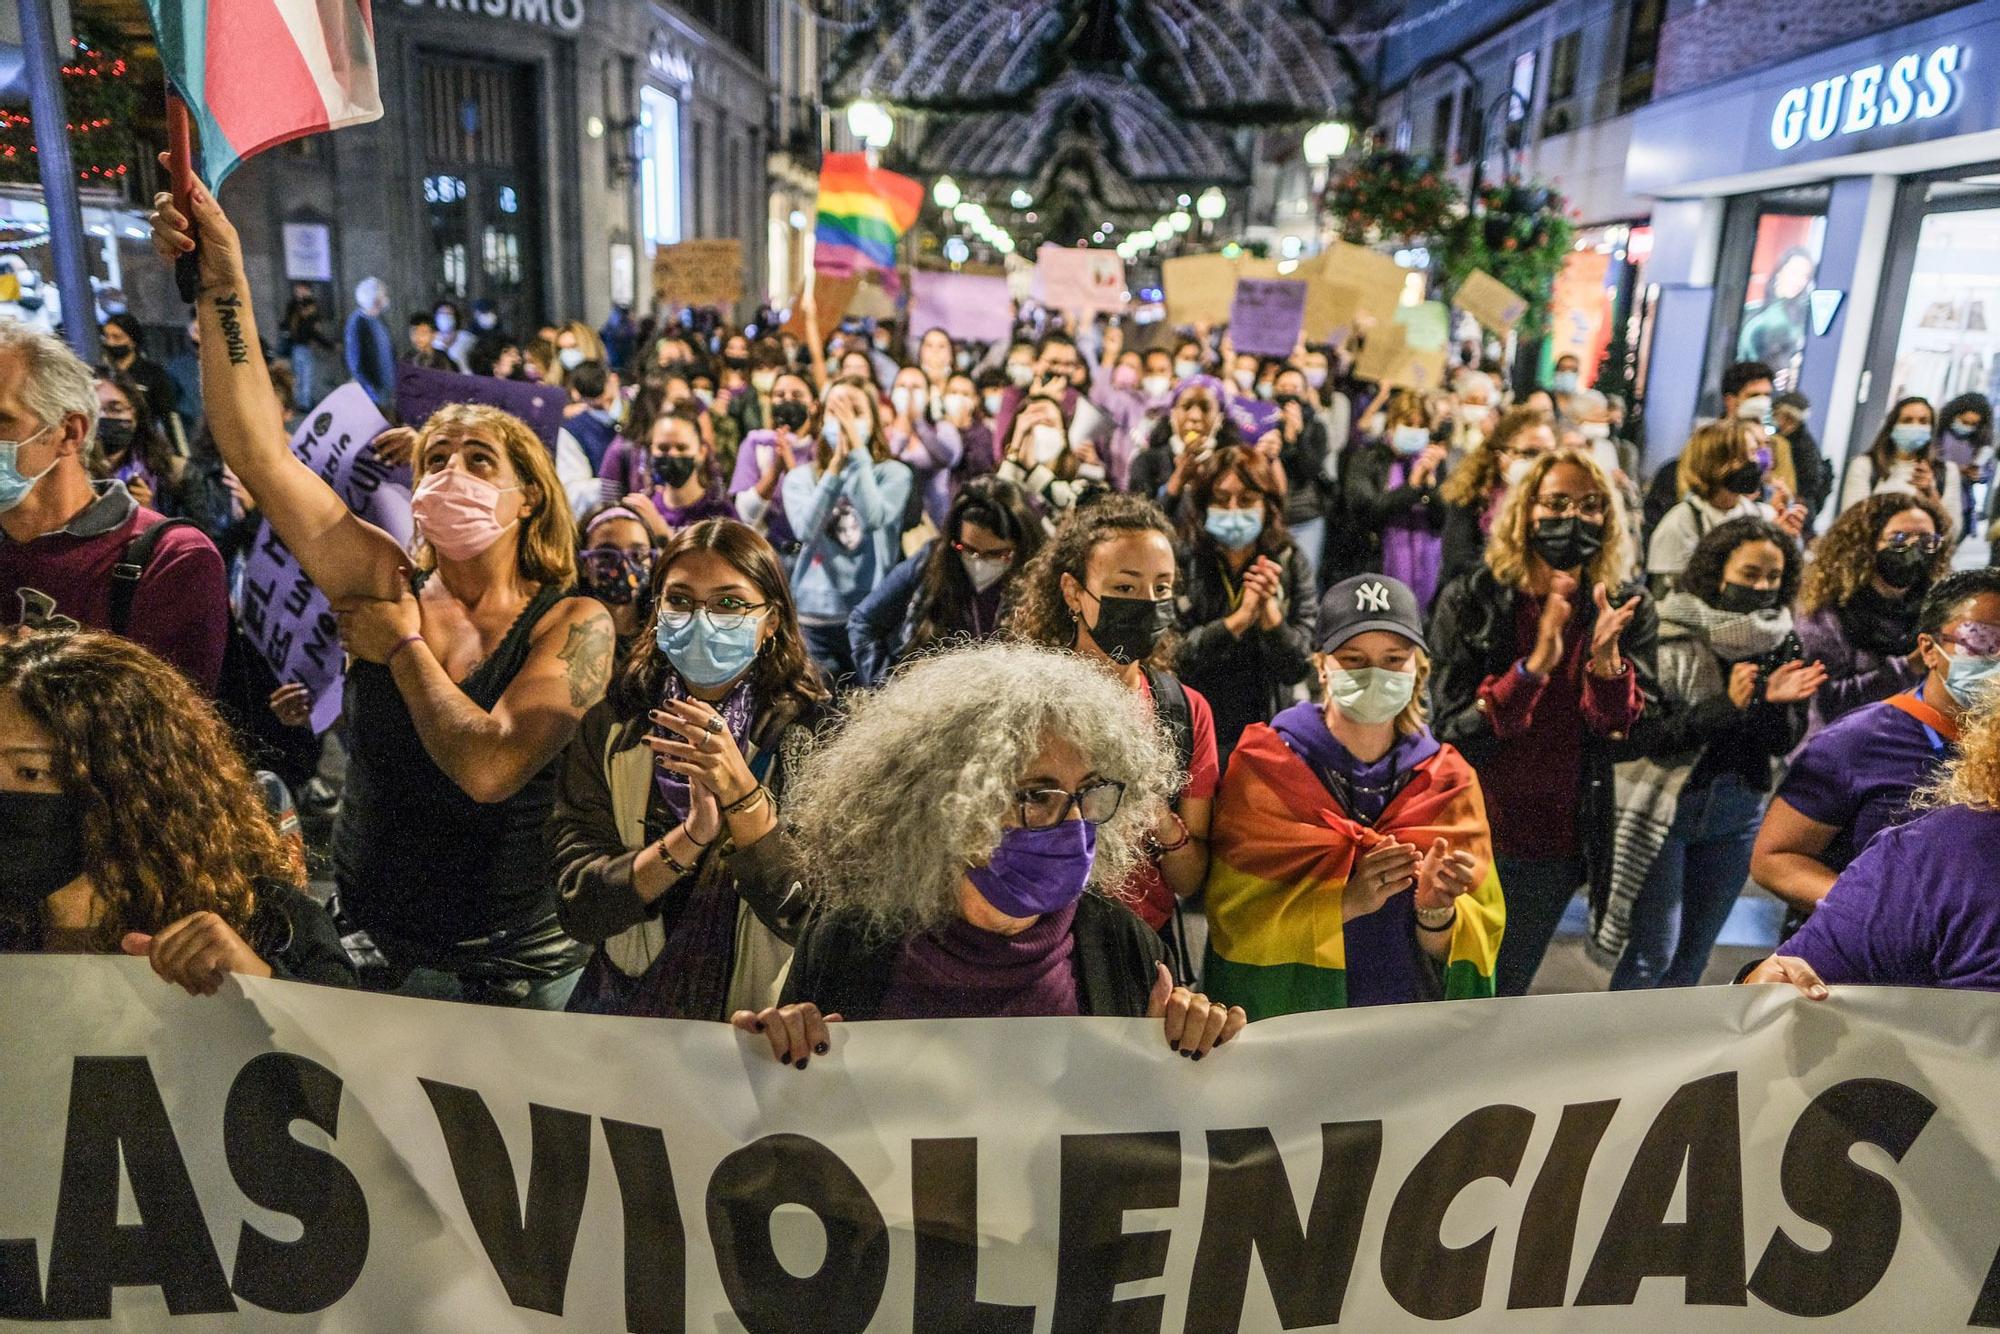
pixel 131 569
pixel 1170 706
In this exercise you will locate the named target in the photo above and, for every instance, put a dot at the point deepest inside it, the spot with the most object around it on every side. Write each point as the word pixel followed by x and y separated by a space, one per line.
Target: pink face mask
pixel 1126 377
pixel 456 513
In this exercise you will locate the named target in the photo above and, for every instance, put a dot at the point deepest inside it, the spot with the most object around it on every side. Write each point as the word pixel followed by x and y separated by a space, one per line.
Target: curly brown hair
pixel 1040 614
pixel 173 821
pixel 1844 560
pixel 1474 479
pixel 1973 777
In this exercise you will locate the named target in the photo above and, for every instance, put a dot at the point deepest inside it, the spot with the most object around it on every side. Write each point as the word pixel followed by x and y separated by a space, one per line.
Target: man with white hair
pixel 371 348
pixel 76 552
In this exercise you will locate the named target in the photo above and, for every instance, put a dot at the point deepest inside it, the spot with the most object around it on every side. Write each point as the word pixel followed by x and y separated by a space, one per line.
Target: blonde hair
pixel 1475 477
pixel 548 539
pixel 1972 778
pixel 1713 450
pixel 1507 553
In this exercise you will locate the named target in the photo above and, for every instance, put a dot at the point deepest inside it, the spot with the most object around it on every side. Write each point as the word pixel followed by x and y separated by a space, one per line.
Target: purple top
pixel 776 526
pixel 1412 550
pixel 709 506
pixel 1855 675
pixel 1385 964
pixel 1857 775
pixel 1919 908
pixel 932 452
pixel 963 972
pixel 622 471
pixel 1132 415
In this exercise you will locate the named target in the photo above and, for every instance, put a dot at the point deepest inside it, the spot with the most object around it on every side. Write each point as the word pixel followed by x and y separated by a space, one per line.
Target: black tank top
pixel 435 877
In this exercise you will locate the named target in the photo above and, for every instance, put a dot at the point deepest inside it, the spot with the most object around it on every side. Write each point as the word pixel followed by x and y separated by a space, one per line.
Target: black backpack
pixel 131 568
pixel 1170 706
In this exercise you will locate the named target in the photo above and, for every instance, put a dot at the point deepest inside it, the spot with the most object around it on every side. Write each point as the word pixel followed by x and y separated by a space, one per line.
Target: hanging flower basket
pixel 1391 197
pixel 1520 232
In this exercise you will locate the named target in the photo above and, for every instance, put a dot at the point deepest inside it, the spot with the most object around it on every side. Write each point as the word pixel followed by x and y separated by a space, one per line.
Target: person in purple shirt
pixel 680 486
pixel 1855 779
pixel 1920 907
pixel 930 452
pixel 764 457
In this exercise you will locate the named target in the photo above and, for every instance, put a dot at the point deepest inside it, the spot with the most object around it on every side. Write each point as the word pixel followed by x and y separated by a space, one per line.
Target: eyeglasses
pixel 997 553
pixel 1594 506
pixel 1928 543
pixel 727 612
pixel 1045 808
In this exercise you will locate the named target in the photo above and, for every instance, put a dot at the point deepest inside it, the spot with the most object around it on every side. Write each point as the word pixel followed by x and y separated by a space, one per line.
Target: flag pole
pixel 180 171
pixel 58 171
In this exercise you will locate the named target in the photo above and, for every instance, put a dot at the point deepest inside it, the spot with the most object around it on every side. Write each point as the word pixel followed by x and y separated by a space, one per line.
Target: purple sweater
pixel 962 972
pixel 1918 908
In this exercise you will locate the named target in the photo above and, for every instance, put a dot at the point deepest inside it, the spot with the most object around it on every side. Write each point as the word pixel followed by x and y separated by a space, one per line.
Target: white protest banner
pixel 1720 1159
pixel 281 612
pixel 1079 278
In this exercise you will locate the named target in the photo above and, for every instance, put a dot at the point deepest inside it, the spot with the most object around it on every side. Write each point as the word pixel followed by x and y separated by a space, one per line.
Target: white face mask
pixel 1517 469
pixel 1045 444
pixel 994 402
pixel 1594 430
pixel 984 571
pixel 957 405
pixel 1372 694
pixel 1186 369
pixel 1245 380
pixel 1754 409
pixel 570 357
pixel 1156 386
pixel 1020 372
pixel 902 397
pixel 1316 376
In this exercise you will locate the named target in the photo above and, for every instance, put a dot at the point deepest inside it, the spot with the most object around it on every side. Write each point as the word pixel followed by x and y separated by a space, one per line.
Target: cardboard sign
pixel 1426 325
pixel 1267 315
pixel 1378 278
pixel 708 272
pixel 1199 288
pixel 1387 358
pixel 972 307
pixel 1495 305
pixel 1077 278
pixel 419 393
pixel 281 612
pixel 831 298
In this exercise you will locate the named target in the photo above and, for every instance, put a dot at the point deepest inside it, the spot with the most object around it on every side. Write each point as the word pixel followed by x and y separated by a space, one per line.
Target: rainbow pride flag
pixel 1280 853
pixel 256 73
pixel 863 213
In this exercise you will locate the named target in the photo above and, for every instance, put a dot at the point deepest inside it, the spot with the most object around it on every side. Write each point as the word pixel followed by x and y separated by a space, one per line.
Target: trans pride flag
pixel 256 73
pixel 863 213
pixel 1280 854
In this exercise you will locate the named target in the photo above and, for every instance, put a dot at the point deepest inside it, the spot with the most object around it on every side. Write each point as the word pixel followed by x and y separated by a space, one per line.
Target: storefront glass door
pixel 1949 340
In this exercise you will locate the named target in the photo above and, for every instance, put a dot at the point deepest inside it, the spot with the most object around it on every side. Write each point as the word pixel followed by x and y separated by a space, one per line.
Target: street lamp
pixel 945 193
pixel 1179 220
pixel 871 123
pixel 1021 199
pixel 1212 204
pixel 1326 141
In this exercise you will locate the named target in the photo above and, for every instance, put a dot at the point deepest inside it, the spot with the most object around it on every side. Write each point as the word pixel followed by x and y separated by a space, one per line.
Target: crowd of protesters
pixel 842 671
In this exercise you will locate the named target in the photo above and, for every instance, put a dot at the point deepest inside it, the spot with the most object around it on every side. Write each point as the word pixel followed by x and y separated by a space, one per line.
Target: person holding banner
pixel 470 674
pixel 1248 594
pixel 672 775
pixel 1917 908
pixel 1540 684
pixel 1104 588
pixel 995 895
pixel 1353 798
pixel 956 589
pixel 203 885
pixel 1473 492
pixel 847 506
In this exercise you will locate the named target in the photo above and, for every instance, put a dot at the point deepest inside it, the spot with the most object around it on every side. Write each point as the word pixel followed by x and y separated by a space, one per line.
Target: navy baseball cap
pixel 1368 602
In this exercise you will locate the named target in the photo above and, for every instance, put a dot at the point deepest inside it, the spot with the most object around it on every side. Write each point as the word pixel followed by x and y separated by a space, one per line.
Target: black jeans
pixel 1537 891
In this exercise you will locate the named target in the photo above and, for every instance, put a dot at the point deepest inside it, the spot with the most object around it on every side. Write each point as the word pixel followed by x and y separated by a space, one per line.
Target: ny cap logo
pixel 1371 597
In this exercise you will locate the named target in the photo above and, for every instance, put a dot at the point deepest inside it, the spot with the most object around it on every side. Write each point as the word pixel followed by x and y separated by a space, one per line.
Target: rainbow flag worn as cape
pixel 256 73
pixel 1280 854
pixel 863 213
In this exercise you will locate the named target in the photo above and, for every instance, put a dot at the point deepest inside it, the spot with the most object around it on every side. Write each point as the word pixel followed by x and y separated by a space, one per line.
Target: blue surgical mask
pixel 1234 529
pixel 1409 440
pixel 1564 382
pixel 830 432
pixel 1910 437
pixel 1968 677
pixel 705 654
pixel 570 357
pixel 14 487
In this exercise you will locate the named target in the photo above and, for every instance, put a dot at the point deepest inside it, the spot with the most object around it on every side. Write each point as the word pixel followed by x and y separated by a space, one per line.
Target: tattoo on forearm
pixel 227 308
pixel 587 655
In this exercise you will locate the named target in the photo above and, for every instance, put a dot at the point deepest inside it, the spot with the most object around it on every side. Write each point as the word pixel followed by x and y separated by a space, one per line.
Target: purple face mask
pixel 1036 871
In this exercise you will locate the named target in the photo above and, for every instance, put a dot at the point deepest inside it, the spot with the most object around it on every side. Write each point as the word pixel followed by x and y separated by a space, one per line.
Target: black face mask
pixel 114 435
pixel 1128 628
pixel 122 353
pixel 737 363
pixel 790 415
pixel 1902 568
pixel 41 845
pixel 1745 479
pixel 1742 597
pixel 671 470
pixel 1567 543
pixel 614 577
pixel 682 370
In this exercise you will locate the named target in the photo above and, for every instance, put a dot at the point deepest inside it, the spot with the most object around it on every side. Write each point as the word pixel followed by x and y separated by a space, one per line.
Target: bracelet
pixel 1164 848
pixel 401 644
pixel 1451 918
pixel 756 793
pixel 674 863
pixel 688 830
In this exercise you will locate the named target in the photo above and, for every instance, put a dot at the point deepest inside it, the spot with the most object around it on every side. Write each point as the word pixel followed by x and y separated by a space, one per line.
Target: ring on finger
pixel 714 725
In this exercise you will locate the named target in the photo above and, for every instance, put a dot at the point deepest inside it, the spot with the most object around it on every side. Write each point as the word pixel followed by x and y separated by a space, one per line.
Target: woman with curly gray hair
pixel 954 828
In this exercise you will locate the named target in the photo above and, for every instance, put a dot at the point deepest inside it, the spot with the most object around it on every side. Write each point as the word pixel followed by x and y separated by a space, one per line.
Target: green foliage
pixel 1391 197
pixel 1519 232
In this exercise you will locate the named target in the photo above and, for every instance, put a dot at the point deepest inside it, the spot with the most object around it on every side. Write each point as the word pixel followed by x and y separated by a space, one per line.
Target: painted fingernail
pixel 1197 1056
pixel 802 1061
pixel 759 1025
pixel 820 1049
pixel 1175 1046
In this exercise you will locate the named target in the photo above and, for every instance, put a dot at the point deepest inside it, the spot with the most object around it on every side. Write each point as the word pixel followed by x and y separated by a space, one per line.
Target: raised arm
pixel 345 556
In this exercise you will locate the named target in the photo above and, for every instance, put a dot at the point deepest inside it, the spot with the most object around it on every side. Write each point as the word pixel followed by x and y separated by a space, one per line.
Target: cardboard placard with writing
pixel 1266 316
pixel 1379 279
pixel 1079 278
pixel 1387 358
pixel 1199 288
pixel 1495 305
pixel 707 272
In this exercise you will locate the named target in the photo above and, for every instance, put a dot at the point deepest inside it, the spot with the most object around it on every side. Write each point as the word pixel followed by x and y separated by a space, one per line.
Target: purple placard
pixel 1252 417
pixel 280 611
pixel 419 393
pixel 971 307
pixel 1267 316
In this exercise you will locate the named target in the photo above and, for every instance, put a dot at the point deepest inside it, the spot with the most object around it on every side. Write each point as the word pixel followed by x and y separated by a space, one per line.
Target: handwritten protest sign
pixel 707 272
pixel 419 393
pixel 1388 358
pixel 281 613
pixel 1267 315
pixel 1494 304
pixel 831 297
pixel 1077 278
pixel 1380 280
pixel 971 307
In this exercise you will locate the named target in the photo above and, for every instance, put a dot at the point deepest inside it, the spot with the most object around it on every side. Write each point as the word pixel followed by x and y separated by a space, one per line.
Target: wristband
pixel 1450 920
pixel 687 830
pixel 745 800
pixel 1172 847
pixel 674 864
pixel 401 644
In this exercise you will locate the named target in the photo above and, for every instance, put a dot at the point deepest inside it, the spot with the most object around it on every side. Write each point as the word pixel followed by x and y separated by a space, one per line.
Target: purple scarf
pixel 1411 551
pixel 962 972
pixel 737 713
